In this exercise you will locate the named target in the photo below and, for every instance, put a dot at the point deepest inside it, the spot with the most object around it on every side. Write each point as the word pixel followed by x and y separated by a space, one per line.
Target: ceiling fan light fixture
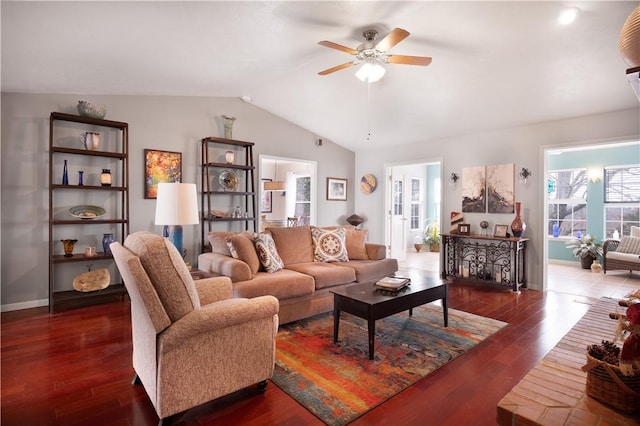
pixel 371 71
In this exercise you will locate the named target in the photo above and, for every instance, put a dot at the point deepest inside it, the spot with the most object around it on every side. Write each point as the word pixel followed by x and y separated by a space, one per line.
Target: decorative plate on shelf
pixel 368 183
pixel 87 212
pixel 229 180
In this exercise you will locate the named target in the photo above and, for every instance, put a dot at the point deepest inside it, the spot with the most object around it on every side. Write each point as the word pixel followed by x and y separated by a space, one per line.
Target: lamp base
pixel 174 234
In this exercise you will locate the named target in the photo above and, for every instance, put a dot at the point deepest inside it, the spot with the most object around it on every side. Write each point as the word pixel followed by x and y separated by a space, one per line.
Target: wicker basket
pixel 608 385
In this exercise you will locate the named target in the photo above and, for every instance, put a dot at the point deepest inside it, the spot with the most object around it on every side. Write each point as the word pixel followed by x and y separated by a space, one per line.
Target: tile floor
pixel 563 278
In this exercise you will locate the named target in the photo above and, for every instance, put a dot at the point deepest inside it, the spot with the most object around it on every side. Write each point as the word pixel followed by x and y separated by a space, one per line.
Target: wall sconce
pixel 594 175
pixel 453 179
pixel 524 175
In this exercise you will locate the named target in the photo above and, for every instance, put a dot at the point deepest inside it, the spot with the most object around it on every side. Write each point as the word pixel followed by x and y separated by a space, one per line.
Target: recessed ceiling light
pixel 569 15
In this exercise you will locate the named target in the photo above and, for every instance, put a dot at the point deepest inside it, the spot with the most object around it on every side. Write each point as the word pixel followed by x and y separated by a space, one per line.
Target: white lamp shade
pixel 177 204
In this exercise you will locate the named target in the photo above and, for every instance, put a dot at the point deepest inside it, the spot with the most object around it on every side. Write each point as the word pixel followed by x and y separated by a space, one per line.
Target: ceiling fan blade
pixel 336 46
pixel 391 39
pixel 409 60
pixel 336 68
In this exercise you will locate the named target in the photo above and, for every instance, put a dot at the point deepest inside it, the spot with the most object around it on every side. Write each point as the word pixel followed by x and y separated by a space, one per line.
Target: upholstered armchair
pixel 192 342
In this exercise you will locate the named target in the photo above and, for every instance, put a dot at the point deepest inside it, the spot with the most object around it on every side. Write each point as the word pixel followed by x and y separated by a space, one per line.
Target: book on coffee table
pixel 393 283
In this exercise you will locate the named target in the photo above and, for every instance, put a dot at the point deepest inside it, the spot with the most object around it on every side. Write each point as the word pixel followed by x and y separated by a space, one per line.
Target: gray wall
pixel 164 123
pixel 523 146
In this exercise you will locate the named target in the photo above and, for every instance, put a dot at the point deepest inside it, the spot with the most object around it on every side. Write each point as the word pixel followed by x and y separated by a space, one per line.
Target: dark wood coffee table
pixel 364 301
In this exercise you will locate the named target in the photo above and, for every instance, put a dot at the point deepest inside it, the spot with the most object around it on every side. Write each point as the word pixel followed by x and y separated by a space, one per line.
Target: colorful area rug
pixel 338 382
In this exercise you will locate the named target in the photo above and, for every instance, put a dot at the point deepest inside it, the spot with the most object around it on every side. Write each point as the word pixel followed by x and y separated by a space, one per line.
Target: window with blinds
pixel 622 199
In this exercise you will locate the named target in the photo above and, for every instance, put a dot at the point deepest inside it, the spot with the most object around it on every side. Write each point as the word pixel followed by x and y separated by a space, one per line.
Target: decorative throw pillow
pixel 629 245
pixel 356 244
pixel 267 253
pixel 329 245
pixel 242 247
pixel 635 231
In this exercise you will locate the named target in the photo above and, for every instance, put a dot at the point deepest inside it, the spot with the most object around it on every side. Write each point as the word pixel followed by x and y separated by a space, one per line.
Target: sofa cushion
pixel 623 257
pixel 267 253
pixel 284 284
pixel 629 245
pixel 294 244
pixel 243 248
pixel 325 274
pixel 329 245
pixel 356 239
pixel 371 270
pixel 635 231
pixel 167 271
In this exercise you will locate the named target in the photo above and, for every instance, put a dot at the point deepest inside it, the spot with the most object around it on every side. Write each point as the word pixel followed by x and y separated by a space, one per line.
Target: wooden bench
pixel 553 392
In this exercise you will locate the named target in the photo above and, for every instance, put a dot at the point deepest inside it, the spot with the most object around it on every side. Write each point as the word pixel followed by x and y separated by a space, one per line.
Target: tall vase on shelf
pixel 518 226
pixel 65 174
pixel 227 122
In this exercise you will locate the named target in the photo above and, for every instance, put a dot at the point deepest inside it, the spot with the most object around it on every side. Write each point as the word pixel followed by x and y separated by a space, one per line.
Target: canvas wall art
pixel 160 166
pixel 473 190
pixel 500 188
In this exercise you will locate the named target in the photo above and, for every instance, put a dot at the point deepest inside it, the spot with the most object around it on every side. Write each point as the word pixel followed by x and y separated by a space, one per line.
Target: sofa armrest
pixel 376 251
pixel 214 289
pixel 216 316
pixel 221 264
pixel 609 245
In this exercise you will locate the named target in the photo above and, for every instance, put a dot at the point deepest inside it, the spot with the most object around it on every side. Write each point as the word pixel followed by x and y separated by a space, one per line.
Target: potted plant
pixel 432 237
pixel 585 249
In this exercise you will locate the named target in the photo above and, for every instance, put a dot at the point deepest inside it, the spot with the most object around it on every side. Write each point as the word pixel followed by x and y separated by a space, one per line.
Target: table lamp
pixel 176 205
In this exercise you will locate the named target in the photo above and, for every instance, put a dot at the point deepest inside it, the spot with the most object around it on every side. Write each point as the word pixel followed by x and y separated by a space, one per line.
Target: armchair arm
pixel 609 245
pixel 216 316
pixel 214 289
pixel 376 251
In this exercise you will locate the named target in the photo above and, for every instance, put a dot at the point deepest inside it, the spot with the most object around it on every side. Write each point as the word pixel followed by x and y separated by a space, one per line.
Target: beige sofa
pixel 303 285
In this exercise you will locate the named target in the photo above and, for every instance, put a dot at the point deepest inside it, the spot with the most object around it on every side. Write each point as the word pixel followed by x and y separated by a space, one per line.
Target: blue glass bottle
pixel 65 174
pixel 556 230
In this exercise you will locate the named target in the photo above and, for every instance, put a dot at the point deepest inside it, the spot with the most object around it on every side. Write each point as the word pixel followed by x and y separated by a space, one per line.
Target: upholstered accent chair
pixel 192 341
pixel 623 254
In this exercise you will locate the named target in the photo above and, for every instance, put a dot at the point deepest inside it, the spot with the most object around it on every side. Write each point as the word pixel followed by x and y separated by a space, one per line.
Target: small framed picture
pixel 464 229
pixel 500 231
pixel 336 189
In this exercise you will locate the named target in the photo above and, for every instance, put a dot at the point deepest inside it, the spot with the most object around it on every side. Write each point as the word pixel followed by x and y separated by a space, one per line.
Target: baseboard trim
pixel 24 305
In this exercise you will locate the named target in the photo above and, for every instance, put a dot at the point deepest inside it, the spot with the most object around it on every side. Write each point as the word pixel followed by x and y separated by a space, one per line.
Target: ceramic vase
pixel 518 226
pixel 556 230
pixel 107 239
pixel 596 266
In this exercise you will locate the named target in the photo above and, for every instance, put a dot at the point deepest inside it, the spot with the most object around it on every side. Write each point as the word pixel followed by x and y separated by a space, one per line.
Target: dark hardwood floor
pixel 74 368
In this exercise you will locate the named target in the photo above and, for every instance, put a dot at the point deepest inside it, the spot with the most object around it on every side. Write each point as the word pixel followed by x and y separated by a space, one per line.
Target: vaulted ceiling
pixel 495 64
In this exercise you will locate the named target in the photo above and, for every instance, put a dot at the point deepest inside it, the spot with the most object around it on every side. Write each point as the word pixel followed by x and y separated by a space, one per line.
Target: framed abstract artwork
pixel 500 188
pixel 473 190
pixel 160 166
pixel 336 189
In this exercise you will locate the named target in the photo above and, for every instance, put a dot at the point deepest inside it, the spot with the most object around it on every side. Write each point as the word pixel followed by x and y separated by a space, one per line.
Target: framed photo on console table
pixel 464 229
pixel 500 231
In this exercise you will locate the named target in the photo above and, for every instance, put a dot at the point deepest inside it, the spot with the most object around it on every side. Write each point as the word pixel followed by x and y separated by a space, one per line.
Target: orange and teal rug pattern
pixel 338 382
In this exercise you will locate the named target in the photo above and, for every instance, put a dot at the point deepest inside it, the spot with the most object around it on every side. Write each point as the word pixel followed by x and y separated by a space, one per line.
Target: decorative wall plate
pixel 229 180
pixel 87 212
pixel 368 183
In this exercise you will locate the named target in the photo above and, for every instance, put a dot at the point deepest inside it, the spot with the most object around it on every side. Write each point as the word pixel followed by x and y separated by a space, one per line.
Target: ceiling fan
pixel 373 52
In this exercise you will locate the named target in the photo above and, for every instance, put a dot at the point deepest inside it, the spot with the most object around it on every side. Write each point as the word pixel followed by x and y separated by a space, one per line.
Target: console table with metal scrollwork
pixel 495 261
